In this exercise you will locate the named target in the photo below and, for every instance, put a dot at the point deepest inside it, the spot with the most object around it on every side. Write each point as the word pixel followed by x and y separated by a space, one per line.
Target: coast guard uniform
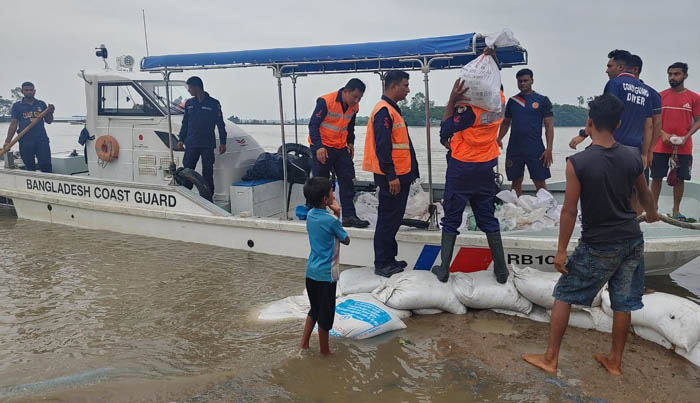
pixel 472 133
pixel 332 126
pixel 197 133
pixel 389 154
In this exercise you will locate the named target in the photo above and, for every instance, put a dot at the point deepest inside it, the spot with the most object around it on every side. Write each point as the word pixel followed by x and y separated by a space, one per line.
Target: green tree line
pixel 6 103
pixel 413 112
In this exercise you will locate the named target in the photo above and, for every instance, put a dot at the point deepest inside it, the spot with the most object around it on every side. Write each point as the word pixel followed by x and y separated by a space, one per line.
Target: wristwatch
pixel 582 133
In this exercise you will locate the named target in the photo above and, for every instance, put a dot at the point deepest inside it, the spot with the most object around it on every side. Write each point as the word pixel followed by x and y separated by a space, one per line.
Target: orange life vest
pixel 478 142
pixel 400 144
pixel 334 128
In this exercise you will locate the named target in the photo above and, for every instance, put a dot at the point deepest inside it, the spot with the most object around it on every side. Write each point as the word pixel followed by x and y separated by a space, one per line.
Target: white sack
pixel 589 318
pixel 295 307
pixel 537 314
pixel 358 280
pixel 692 355
pixel 418 289
pixel 537 286
pixel 368 297
pixel 362 317
pixel 652 335
pixel 482 79
pixel 675 318
pixel 502 39
pixel 480 290
pixel 427 311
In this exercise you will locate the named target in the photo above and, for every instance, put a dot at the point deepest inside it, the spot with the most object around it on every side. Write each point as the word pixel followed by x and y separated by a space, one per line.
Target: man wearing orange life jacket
pixel 470 133
pixel 389 154
pixel 332 138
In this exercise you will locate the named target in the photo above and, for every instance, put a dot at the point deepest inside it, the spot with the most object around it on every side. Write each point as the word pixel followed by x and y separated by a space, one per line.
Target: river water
pixel 92 315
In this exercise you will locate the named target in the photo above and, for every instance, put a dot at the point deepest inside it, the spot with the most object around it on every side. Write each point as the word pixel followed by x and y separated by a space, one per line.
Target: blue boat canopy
pixel 449 52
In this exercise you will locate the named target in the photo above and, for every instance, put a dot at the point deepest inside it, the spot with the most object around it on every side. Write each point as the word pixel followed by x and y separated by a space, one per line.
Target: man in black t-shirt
pixel 611 248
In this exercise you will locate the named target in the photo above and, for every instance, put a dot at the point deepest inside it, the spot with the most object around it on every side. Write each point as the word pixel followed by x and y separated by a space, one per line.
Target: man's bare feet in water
pixel 541 362
pixel 608 363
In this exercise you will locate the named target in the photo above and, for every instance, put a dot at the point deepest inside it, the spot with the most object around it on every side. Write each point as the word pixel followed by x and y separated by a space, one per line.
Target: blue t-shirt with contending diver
pixel 638 107
pixel 527 114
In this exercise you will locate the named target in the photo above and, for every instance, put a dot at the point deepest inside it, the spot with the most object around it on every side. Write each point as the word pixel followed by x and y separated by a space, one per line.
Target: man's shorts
pixel 659 166
pixel 322 299
pixel 515 168
pixel 620 264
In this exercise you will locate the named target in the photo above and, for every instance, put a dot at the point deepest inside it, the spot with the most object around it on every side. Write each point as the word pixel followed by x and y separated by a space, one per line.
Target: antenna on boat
pixel 145 34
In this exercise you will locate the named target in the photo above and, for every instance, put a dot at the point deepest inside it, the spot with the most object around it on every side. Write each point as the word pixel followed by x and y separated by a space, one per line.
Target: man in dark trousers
pixel 389 154
pixel 471 134
pixel 34 145
pixel 202 113
pixel 604 176
pixel 332 139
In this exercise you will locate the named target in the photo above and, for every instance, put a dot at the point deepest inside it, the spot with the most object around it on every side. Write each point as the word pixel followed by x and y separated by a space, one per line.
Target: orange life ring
pixel 107 148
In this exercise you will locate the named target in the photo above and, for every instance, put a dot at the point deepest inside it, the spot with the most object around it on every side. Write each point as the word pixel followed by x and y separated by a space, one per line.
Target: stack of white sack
pixel 528 212
pixel 366 204
pixel 537 287
pixel 668 320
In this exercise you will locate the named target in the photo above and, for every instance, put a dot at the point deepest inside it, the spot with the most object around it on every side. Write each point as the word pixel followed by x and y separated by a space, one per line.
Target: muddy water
pixel 86 313
pixel 87 316
pixel 98 316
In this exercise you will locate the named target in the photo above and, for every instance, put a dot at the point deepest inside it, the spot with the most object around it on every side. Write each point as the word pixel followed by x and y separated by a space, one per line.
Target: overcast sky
pixel 48 42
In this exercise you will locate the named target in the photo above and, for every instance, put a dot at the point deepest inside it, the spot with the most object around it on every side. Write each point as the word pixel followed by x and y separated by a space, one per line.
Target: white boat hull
pixel 174 213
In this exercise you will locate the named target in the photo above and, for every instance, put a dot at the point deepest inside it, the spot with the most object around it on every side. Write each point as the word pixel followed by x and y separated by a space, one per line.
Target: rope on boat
pixel 669 220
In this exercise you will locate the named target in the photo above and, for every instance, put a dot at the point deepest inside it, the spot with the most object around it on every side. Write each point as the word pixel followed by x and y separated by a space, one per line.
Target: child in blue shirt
pixel 322 269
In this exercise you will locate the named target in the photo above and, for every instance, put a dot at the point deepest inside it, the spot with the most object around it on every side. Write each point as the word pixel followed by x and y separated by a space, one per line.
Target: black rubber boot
pixel 447 245
pixel 499 259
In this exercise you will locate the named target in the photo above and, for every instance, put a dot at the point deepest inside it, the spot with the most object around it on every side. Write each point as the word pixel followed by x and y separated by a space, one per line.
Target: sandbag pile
pixel 666 319
pixel 368 305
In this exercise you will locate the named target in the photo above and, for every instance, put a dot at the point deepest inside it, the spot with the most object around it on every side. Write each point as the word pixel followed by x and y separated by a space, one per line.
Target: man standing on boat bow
pixel 34 145
pixel 202 113
pixel 332 139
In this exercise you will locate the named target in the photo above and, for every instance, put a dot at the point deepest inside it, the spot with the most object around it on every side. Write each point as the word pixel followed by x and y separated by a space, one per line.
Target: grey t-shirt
pixel 607 177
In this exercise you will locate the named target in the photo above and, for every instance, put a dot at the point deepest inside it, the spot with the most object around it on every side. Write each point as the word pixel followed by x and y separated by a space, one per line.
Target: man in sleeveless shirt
pixel 610 250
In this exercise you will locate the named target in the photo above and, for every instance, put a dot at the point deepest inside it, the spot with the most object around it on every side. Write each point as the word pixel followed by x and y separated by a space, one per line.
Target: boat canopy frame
pixel 425 55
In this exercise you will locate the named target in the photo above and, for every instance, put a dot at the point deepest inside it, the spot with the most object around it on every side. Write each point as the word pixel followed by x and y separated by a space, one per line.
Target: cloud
pixel 49 42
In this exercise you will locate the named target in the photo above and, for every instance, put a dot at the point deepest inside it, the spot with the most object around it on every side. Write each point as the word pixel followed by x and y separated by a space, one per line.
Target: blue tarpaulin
pixel 372 56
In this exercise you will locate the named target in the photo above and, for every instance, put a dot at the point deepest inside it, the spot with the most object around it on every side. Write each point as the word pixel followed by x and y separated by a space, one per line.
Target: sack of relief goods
pixel 418 289
pixel 361 317
pixel 480 290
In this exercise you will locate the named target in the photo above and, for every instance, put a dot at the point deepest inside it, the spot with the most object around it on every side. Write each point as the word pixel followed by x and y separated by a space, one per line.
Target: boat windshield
pixel 178 94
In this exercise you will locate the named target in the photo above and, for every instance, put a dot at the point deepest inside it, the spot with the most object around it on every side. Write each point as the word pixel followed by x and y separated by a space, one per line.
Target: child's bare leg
pixel 308 328
pixel 613 361
pixel 323 341
pixel 557 326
